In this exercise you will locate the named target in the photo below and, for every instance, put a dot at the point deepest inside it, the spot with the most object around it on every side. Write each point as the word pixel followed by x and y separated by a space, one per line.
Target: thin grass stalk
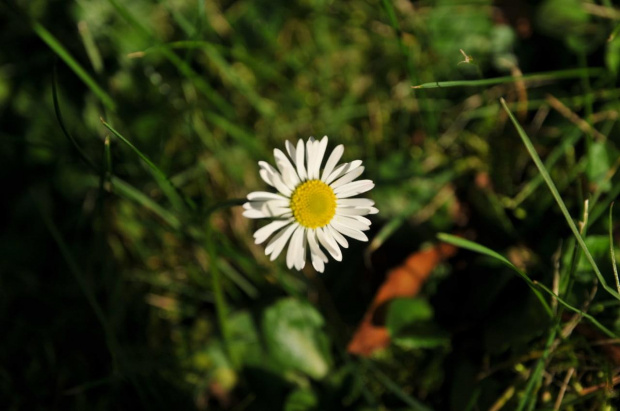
pixel 543 171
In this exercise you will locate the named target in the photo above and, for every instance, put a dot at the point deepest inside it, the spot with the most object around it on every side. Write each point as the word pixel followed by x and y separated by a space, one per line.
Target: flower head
pixel 313 209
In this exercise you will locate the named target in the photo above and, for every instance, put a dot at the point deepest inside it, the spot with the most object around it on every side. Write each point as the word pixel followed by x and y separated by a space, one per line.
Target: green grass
pixel 131 135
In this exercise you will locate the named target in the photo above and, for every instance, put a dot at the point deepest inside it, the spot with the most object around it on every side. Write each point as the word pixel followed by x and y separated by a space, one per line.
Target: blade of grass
pixel 216 283
pixel 225 71
pixel 535 285
pixel 61 122
pixel 551 75
pixel 529 396
pixel 428 122
pixel 128 191
pixel 91 48
pixel 470 245
pixel 585 315
pixel 61 52
pixel 543 171
pixel 553 157
pixel 177 200
pixel 181 65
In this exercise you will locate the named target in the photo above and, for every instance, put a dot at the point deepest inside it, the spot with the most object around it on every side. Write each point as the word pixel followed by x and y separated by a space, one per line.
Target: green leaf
pixel 599 248
pixel 409 325
pixel 599 163
pixel 612 55
pixel 301 400
pixel 64 54
pixel 293 333
pixel 404 312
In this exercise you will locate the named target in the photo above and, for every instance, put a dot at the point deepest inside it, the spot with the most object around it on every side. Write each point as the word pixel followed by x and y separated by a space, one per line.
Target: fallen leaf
pixel 403 281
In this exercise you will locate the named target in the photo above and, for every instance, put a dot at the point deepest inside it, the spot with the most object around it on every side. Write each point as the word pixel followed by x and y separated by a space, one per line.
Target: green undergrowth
pixel 130 135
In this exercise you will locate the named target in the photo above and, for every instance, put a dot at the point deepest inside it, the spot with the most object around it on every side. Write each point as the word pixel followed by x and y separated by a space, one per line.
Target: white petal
pixel 265 210
pixel 294 247
pixel 280 186
pixel 348 231
pixel 314 245
pixel 333 159
pixel 278 242
pixel 251 213
pixel 317 158
pixel 347 178
pixel 342 170
pixel 289 176
pixel 264 195
pixel 265 232
pixel 352 211
pixel 309 155
pixel 362 219
pixel 300 263
pixel 337 236
pixel 266 172
pixel 328 242
pixel 354 188
pixel 373 210
pixel 290 149
pixel 351 223
pixel 317 256
pixel 299 160
pixel 356 202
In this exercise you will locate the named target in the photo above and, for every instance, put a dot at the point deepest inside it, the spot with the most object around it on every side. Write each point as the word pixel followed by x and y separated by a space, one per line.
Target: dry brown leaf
pixel 403 281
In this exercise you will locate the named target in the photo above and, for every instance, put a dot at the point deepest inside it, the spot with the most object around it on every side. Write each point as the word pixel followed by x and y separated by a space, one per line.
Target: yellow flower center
pixel 313 203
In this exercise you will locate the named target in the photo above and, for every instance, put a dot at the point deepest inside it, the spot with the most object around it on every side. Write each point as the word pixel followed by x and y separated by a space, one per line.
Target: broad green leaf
pixel 408 324
pixel 404 312
pixel 293 333
pixel 301 400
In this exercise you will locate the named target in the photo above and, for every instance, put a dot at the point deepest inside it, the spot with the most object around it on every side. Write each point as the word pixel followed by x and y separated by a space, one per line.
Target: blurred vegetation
pixel 129 279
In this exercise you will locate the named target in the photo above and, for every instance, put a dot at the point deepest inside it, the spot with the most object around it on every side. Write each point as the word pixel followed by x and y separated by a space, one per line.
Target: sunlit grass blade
pixel 470 245
pixel 556 195
pixel 550 161
pixel 221 306
pixel 91 47
pixel 585 315
pixel 548 76
pixel 181 65
pixel 162 179
pixel 534 285
pixel 126 190
pixel 61 52
pixel 224 69
pixel 64 129
pixel 534 382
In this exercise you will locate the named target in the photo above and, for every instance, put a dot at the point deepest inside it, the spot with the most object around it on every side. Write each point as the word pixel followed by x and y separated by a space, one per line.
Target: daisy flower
pixel 313 208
